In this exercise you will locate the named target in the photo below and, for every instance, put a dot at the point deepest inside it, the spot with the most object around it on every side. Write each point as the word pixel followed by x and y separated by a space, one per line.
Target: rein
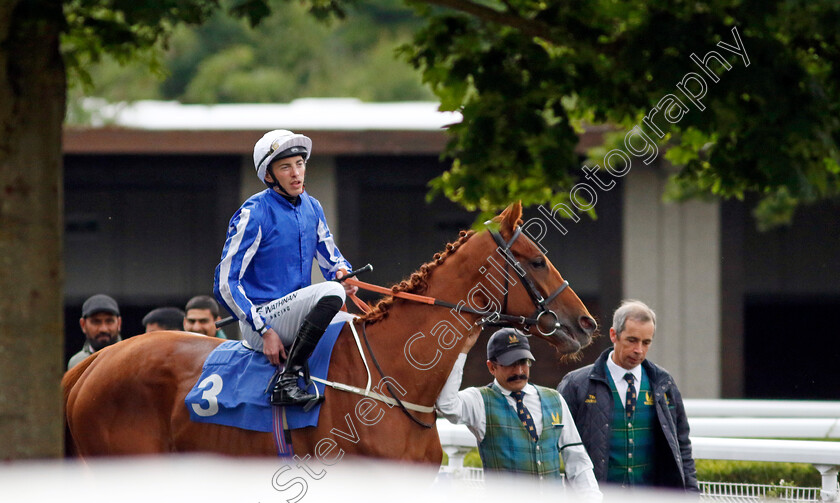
pixel 504 248
pixel 543 318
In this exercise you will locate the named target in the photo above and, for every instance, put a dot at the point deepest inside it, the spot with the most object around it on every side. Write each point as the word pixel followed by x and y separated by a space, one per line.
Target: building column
pixel 672 263
pixel 321 184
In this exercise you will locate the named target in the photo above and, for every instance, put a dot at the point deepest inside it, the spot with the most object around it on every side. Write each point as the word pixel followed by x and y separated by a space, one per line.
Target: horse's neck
pixel 418 355
pixel 419 343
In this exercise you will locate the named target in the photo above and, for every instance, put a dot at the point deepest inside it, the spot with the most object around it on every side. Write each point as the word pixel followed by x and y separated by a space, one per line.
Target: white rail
pixel 697 407
pixel 763 427
pixel 824 456
pixel 457 441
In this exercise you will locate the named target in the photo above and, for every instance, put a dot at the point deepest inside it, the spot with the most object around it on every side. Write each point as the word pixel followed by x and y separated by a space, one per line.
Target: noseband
pixel 543 318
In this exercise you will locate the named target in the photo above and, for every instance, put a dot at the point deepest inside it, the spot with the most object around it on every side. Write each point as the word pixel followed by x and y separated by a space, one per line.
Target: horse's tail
pixel 71 377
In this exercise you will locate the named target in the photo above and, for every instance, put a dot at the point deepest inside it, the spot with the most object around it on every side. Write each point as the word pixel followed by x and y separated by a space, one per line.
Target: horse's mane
pixel 417 282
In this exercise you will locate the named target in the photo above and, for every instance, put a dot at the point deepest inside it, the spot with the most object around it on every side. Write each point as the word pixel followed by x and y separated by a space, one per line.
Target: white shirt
pixel 467 407
pixel 617 374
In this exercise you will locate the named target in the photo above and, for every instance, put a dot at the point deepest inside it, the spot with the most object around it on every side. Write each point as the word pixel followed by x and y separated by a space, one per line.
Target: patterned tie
pixel 630 402
pixel 523 413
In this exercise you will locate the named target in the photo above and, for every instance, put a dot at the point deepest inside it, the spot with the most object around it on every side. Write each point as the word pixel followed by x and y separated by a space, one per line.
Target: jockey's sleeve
pixel 329 257
pixel 243 240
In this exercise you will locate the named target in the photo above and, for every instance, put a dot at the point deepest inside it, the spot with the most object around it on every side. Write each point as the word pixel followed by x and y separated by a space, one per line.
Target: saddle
pixel 235 382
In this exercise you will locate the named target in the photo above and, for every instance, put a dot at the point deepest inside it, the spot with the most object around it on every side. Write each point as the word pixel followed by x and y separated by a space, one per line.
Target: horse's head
pixel 551 309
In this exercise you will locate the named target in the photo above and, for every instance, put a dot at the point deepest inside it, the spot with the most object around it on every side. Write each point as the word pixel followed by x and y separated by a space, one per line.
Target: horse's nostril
pixel 587 324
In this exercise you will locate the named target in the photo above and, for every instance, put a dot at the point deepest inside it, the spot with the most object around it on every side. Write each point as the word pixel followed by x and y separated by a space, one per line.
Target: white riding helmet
pixel 277 142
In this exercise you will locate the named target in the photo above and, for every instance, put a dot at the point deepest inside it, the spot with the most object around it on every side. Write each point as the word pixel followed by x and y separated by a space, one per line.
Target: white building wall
pixel 671 261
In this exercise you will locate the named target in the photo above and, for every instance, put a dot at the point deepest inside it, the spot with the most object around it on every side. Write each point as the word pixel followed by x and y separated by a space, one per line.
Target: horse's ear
pixel 510 218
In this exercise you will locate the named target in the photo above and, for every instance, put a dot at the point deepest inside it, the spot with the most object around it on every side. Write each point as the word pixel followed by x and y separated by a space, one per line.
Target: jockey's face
pixel 511 377
pixel 631 345
pixel 200 321
pixel 101 329
pixel 289 173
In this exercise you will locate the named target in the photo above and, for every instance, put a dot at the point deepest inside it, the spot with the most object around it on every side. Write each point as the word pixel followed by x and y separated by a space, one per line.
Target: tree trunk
pixel 32 103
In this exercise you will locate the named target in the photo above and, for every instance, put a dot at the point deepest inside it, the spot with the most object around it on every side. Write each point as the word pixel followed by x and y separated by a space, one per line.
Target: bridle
pixel 543 318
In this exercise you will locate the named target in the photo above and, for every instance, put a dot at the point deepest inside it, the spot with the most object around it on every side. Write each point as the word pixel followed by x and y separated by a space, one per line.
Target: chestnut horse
pixel 129 398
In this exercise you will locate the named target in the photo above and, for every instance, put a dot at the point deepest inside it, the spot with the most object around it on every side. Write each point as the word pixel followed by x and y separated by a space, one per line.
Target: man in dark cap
pixel 100 322
pixel 520 428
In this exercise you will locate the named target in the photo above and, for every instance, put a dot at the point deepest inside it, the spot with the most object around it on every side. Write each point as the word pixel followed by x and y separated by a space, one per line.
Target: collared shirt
pixel 467 407
pixel 617 373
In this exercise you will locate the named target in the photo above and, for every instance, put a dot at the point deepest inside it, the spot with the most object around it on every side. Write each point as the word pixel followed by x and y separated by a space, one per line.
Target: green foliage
pixel 267 51
pixel 525 75
pixel 755 472
pixel 472 459
pixel 521 72
pixel 123 29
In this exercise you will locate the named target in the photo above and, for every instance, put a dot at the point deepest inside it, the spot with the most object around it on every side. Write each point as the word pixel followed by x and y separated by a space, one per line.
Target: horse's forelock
pixel 418 281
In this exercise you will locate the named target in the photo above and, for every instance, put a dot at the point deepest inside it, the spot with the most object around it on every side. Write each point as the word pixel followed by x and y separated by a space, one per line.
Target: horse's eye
pixel 538 263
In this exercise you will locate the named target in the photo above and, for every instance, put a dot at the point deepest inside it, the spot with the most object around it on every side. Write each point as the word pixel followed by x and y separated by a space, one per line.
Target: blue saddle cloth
pixel 234 390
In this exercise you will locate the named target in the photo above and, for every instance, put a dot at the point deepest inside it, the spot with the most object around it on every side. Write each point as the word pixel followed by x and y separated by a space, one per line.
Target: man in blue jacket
pixel 264 277
pixel 629 411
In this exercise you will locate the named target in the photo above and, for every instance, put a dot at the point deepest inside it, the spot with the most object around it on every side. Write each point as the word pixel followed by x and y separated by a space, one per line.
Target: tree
pixel 289 55
pixel 758 115
pixel 32 87
pixel 706 85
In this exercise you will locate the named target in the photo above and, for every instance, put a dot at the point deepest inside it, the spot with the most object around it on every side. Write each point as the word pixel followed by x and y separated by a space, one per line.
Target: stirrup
pixel 313 402
pixel 289 393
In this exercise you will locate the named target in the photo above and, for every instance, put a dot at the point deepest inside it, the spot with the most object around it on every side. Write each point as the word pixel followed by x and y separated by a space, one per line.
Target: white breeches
pixel 286 314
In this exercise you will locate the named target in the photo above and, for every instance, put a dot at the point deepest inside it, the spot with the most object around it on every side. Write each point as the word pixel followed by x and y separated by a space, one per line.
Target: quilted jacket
pixel 590 400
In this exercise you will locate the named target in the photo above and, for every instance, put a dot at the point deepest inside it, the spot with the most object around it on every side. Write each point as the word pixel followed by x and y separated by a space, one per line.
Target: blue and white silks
pixel 269 250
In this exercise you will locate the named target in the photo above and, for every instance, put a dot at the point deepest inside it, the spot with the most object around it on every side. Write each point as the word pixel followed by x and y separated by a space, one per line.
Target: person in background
pixel 629 410
pixel 101 323
pixel 164 318
pixel 202 313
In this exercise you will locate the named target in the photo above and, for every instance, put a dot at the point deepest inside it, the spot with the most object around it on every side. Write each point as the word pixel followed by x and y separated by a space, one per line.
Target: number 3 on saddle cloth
pixel 235 386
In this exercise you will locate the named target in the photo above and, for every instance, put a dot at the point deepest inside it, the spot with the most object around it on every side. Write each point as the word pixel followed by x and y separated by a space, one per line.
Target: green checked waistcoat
pixel 507 445
pixel 631 442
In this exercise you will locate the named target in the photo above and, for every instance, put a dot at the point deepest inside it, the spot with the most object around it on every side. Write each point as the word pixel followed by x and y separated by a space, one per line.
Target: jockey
pixel 264 277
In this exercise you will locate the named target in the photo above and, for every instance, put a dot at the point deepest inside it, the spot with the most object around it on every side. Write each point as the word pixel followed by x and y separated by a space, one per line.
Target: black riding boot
pixel 286 391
